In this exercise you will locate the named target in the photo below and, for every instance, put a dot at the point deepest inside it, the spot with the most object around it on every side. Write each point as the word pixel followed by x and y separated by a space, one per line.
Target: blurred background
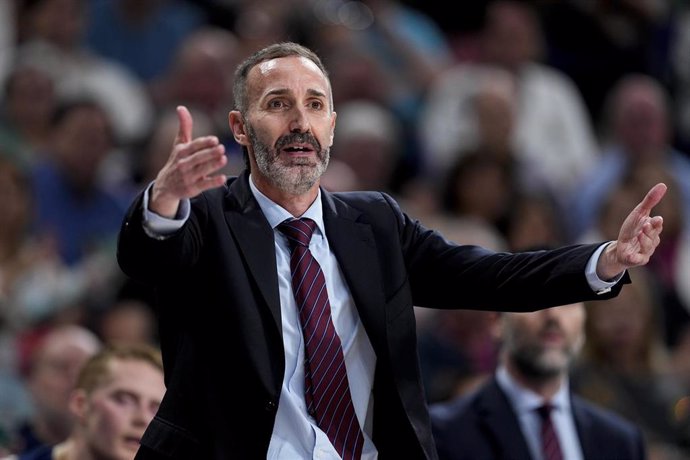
pixel 510 124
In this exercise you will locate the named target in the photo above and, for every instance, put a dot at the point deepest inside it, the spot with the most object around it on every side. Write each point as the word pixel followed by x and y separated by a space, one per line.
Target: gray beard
pixel 297 177
pixel 534 366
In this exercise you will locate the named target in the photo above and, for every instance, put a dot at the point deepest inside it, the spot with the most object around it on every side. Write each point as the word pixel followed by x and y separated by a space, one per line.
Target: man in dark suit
pixel 507 417
pixel 227 260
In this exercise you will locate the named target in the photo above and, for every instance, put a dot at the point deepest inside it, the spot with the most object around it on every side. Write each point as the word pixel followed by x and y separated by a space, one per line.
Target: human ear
pixel 238 127
pixel 78 404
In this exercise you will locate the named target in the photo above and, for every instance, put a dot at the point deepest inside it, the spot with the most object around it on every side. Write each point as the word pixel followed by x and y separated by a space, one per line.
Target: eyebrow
pixel 284 91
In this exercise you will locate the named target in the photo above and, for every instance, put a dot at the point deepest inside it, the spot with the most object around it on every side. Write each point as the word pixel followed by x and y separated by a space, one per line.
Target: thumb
pixel 184 132
pixel 653 198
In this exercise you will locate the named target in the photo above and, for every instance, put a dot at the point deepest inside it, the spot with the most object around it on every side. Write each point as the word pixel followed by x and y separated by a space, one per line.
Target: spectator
pixel 51 39
pixel 29 105
pixel 52 373
pixel 72 205
pixel 510 415
pixel 34 283
pixel 626 368
pixel 141 35
pixel 638 134
pixel 115 397
pixel 553 129
pixel 201 74
pixel 127 322
pixel 367 141
pixel 597 42
pixel 201 78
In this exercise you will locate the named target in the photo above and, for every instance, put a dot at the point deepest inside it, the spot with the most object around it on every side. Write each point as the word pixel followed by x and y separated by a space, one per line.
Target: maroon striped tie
pixel 327 391
pixel 549 440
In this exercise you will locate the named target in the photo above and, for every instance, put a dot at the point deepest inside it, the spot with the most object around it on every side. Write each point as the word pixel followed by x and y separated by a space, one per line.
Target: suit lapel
pixel 354 247
pixel 351 241
pixel 501 423
pixel 255 241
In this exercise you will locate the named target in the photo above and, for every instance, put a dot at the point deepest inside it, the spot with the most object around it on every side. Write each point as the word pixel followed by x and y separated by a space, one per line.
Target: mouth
pixel 298 149
pixel 132 442
pixel 552 337
pixel 298 144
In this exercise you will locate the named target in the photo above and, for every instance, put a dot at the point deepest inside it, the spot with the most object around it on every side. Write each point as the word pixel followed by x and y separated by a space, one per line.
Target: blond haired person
pixel 117 394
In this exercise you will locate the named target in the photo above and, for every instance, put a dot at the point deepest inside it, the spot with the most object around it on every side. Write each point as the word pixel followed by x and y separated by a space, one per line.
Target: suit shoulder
pixel 365 199
pixel 376 208
pixel 607 421
pixel 453 413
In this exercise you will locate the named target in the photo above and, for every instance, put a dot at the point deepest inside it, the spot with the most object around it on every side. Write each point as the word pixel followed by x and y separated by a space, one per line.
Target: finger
pixel 184 132
pixel 652 229
pixel 652 198
pixel 657 222
pixel 209 182
pixel 649 237
pixel 213 181
pixel 202 158
pixel 210 166
pixel 197 145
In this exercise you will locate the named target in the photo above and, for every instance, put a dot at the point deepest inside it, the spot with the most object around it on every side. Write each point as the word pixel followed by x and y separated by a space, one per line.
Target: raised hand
pixel 638 237
pixel 189 170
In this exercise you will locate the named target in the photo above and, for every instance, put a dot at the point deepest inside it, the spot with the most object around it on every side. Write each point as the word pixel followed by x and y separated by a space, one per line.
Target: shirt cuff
pixel 159 227
pixel 597 284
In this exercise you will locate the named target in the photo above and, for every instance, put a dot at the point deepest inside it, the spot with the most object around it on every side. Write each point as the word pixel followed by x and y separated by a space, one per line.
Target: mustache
pixel 552 327
pixel 298 138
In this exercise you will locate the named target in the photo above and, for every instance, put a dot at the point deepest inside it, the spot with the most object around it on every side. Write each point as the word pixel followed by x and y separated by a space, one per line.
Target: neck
pixel 73 448
pixel 544 386
pixel 295 204
pixel 64 451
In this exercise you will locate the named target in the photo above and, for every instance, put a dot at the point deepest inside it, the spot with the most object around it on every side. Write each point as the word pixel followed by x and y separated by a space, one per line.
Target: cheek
pixel 108 423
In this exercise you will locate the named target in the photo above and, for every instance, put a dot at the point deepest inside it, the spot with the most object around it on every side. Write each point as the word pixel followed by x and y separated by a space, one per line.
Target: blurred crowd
pixel 513 124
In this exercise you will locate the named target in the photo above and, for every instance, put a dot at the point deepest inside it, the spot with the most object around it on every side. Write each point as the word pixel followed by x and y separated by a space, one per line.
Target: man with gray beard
pixel 286 311
pixel 526 411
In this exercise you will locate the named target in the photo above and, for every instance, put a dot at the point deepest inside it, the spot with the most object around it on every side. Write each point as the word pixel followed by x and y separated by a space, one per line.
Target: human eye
pixel 277 104
pixel 316 104
pixel 124 398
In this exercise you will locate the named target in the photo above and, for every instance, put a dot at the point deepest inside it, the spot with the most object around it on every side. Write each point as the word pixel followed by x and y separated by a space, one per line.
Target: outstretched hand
pixel 189 170
pixel 637 239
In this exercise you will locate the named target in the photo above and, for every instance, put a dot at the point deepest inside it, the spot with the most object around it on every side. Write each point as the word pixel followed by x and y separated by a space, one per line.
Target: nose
pixel 551 314
pixel 141 416
pixel 299 123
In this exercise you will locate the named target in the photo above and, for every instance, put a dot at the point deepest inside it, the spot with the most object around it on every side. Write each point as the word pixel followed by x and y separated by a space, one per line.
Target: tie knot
pixel 298 231
pixel 544 410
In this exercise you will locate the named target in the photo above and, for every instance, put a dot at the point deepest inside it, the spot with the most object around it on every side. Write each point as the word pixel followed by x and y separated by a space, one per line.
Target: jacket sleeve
pixel 445 274
pixel 148 259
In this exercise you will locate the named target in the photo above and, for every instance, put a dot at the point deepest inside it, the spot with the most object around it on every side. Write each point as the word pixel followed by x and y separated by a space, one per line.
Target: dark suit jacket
pixel 484 426
pixel 219 313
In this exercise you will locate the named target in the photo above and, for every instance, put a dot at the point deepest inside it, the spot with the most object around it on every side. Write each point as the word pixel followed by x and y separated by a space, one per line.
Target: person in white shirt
pixel 226 258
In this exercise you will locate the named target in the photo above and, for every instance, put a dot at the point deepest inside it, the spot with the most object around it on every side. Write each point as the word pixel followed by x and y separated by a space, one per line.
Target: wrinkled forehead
pixel 287 62
pixel 292 74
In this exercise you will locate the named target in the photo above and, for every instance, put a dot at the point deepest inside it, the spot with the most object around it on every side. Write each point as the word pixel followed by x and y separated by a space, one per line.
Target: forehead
pixel 571 312
pixel 292 74
pixel 135 376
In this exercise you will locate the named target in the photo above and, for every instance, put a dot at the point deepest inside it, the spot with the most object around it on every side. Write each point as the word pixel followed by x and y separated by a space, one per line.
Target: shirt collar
pixel 525 400
pixel 276 214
